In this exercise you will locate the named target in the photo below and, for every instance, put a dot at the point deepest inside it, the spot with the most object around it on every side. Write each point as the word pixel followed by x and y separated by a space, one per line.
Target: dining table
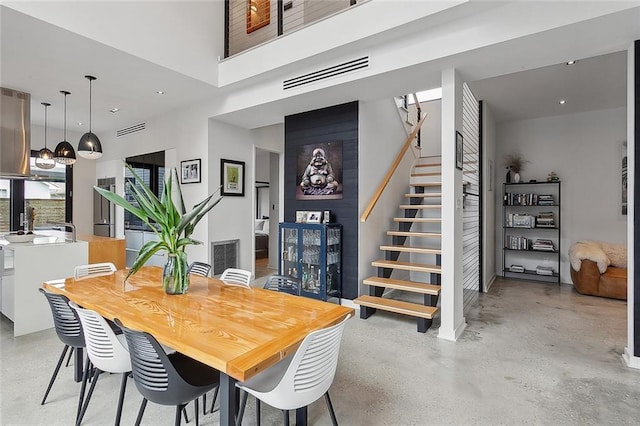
pixel 240 331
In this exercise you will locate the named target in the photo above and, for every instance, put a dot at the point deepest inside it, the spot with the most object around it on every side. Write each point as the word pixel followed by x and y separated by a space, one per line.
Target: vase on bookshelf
pixel 508 177
pixel 516 177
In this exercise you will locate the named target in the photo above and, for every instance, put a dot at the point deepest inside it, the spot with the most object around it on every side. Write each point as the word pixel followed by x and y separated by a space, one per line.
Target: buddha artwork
pixel 319 176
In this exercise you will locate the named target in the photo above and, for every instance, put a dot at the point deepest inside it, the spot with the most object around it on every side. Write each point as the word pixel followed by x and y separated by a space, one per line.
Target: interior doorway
pixel 266 213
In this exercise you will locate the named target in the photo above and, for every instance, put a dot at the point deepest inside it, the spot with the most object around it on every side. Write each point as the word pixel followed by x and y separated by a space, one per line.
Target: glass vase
pixel 175 279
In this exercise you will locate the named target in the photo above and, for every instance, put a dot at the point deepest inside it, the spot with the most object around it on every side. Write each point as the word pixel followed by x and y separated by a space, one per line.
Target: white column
pixel 629 356
pixel 452 322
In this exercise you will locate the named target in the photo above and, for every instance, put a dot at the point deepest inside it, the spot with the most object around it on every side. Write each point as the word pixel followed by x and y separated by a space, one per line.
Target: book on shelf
pixel 516 268
pixel 517 220
pixel 543 245
pixel 544 270
pixel 545 220
pixel 545 200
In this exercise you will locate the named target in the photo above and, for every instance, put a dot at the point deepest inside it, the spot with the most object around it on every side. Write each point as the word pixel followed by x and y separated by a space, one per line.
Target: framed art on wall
pixel 459 141
pixel 190 171
pixel 232 177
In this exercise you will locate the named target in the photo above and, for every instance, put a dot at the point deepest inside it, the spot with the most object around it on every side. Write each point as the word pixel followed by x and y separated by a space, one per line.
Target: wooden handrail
pixel 392 170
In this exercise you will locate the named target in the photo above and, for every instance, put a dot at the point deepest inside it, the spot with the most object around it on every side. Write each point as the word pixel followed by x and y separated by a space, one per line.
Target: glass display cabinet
pixel 312 254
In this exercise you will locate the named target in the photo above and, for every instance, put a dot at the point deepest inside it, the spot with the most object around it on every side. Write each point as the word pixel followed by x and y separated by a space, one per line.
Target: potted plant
pixel 514 163
pixel 172 224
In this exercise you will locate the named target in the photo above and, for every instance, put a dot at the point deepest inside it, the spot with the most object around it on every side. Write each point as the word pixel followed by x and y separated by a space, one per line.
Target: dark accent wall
pixel 333 124
pixel 636 210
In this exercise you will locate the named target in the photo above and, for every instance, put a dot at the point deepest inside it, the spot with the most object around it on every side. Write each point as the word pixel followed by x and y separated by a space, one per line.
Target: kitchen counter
pixel 105 249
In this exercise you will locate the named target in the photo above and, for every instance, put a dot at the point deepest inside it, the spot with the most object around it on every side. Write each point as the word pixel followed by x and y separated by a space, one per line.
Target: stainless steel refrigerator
pixel 103 210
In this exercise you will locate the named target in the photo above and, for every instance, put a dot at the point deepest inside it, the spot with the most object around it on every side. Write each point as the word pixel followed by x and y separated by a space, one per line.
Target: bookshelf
pixel 531 230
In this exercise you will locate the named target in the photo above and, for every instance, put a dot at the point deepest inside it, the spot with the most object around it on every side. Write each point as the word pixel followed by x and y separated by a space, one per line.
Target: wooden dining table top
pixel 237 330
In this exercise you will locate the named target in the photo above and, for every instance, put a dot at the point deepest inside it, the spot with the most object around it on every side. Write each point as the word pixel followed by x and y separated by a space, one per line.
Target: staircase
pixel 418 238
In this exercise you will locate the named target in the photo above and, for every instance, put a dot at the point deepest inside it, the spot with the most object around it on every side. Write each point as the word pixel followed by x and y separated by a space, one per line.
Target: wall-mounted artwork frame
pixel 232 177
pixel 314 217
pixel 190 171
pixel 319 171
pixel 258 14
pixel 459 147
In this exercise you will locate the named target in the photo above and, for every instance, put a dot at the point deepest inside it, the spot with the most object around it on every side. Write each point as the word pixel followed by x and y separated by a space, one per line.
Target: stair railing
pixel 394 165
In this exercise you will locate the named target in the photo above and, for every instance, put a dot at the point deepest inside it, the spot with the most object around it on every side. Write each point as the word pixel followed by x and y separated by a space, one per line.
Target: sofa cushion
pixel 617 254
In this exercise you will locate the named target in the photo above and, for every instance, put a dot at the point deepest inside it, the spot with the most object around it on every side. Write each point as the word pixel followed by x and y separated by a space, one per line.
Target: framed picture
pixel 258 14
pixel 232 177
pixel 326 216
pixel 301 216
pixel 458 150
pixel 319 171
pixel 190 171
pixel 314 217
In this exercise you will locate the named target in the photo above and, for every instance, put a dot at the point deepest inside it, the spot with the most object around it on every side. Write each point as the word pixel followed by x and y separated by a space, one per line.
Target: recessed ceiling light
pixel 562 101
pixel 114 110
pixel 160 92
pixel 80 123
pixel 571 62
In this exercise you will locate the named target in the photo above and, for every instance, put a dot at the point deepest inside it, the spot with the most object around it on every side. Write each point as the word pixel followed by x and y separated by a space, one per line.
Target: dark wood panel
pixel 337 123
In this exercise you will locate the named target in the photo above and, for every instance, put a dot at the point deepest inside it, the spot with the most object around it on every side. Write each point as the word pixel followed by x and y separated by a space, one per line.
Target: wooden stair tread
pixel 428 165
pixel 425 195
pixel 409 249
pixel 407 266
pixel 420 206
pixel 426 174
pixel 412 286
pixel 413 234
pixel 397 306
pixel 418 219
pixel 426 184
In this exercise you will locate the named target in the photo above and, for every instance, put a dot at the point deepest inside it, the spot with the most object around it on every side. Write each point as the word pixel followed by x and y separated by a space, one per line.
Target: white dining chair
pixel 107 351
pixel 93 270
pixel 239 277
pixel 199 268
pixel 300 379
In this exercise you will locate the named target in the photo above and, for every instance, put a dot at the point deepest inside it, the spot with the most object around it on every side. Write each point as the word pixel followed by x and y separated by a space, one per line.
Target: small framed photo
pixel 459 146
pixel 314 217
pixel 190 171
pixel 301 216
pixel 232 177
pixel 326 216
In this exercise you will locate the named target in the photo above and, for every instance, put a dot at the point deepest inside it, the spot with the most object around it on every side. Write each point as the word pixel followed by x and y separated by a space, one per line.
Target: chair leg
pixel 257 412
pixel 69 357
pixel 141 411
pixel 204 404
pixel 123 388
pixel 196 402
pixel 85 405
pixel 55 373
pixel 179 409
pixel 334 422
pixel 215 395
pixel 286 417
pixel 243 404
pixel 184 412
pixel 88 369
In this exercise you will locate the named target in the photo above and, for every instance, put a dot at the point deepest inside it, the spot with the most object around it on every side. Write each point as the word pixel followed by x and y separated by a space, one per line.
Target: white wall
pixel 491 196
pixel 585 151
pixel 381 135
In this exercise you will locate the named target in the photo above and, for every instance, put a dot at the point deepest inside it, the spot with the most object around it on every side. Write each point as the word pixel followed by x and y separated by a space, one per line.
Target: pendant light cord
pixel 65 116
pixel 90 92
pixel 45 127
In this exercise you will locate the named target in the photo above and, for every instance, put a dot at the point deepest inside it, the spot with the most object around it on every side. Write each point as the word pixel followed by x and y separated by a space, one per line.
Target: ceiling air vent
pixel 131 129
pixel 336 70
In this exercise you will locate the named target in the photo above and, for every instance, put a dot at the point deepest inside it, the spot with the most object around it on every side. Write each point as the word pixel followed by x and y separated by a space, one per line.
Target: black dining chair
pixel 69 331
pixel 199 268
pixel 283 284
pixel 173 379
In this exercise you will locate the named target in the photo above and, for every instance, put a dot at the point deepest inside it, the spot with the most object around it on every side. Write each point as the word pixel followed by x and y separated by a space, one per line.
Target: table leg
pixel 78 361
pixel 228 400
pixel 301 416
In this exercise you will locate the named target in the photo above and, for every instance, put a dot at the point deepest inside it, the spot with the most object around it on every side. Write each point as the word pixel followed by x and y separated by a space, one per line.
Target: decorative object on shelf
pixel 326 216
pixel 515 164
pixel 459 148
pixel 44 159
pixel 232 177
pixel 552 177
pixel 624 178
pixel 190 171
pixel 301 216
pixel 319 171
pixel 258 14
pixel 173 226
pixel 507 178
pixel 314 217
pixel 89 146
pixel 64 153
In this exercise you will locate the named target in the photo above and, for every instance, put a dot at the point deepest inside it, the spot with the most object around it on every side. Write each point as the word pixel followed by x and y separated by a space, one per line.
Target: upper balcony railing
pixel 249 23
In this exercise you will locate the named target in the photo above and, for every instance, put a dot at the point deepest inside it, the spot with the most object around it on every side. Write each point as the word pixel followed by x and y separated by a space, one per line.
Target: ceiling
pixel 587 85
pixel 43 59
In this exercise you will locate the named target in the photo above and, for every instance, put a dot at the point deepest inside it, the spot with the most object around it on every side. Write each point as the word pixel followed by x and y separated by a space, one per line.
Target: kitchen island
pixel 25 266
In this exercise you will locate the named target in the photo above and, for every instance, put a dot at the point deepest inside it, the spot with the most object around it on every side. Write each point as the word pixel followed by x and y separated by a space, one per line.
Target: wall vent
pixel 224 254
pixel 131 129
pixel 336 70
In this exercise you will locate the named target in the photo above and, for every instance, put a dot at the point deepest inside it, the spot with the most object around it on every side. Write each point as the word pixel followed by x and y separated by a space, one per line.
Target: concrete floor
pixel 532 353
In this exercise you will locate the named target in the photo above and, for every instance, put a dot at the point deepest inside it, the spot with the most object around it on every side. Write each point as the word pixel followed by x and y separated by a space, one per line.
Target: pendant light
pixel 89 146
pixel 44 159
pixel 64 153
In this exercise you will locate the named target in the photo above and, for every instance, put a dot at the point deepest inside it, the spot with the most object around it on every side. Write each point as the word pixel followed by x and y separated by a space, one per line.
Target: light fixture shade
pixel 64 153
pixel 44 159
pixel 89 146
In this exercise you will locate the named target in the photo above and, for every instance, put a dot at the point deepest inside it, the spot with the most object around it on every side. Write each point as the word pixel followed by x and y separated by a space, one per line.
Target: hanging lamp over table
pixel 44 159
pixel 64 153
pixel 89 146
